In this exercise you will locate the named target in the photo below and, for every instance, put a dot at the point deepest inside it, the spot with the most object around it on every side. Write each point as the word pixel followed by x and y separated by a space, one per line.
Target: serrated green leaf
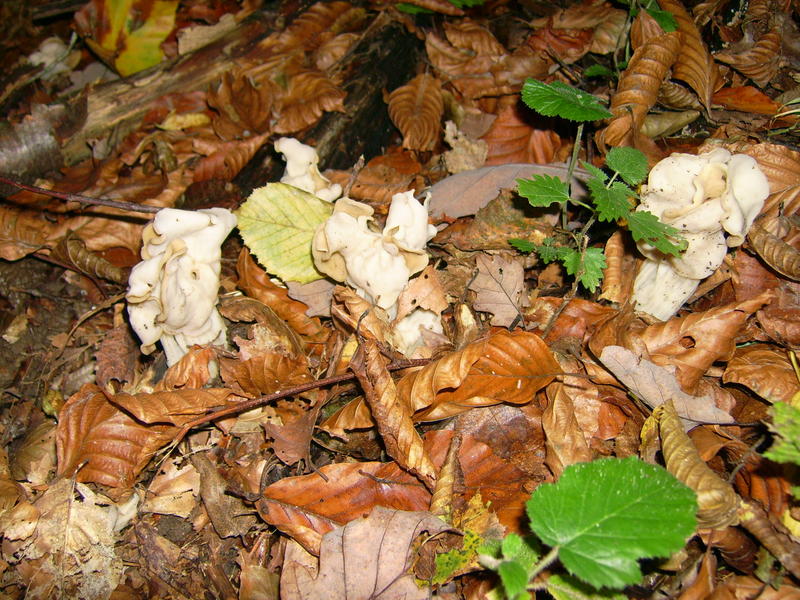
pixel 613 202
pixel 514 577
pixel 543 190
pixel 630 163
pixel 606 515
pixel 566 587
pixel 412 9
pixel 522 245
pixel 466 3
pixel 561 100
pixel 548 252
pixel 664 18
pixel 587 266
pixel 524 551
pixel 277 222
pixel 644 225
pixel 595 172
pixel 786 426
pixel 597 71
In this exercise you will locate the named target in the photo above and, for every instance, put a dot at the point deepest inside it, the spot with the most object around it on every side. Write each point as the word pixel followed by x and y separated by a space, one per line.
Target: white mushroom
pixel 302 170
pixel 172 293
pixel 703 197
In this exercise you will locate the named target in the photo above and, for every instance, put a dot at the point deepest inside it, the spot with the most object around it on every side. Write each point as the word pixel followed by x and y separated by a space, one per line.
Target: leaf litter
pixel 280 463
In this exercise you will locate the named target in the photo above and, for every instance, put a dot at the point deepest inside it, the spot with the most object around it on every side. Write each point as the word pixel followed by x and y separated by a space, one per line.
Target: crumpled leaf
pixel 277 222
pixel 759 60
pixel 72 252
pixel 565 441
pixel 416 109
pixel 500 289
pixel 747 99
pixel 513 138
pixel 655 385
pixel 310 94
pixel 779 255
pixel 22 232
pixel 765 370
pixel 127 35
pixel 367 559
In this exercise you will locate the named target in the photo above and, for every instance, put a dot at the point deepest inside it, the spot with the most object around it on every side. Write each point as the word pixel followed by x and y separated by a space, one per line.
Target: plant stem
pixel 546 561
pixel 573 161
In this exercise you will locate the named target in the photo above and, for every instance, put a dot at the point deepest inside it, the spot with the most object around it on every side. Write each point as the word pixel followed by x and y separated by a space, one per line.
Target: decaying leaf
pixel 310 94
pixel 73 253
pixel 499 285
pixel 564 439
pixel 764 369
pixel 717 503
pixel 512 139
pixel 22 232
pixel 243 108
pixel 367 559
pixel 779 255
pixel 780 544
pixel 392 416
pixel 759 61
pixel 416 109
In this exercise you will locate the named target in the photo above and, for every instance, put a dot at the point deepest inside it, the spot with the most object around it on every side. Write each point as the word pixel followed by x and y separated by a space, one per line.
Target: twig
pixel 126 206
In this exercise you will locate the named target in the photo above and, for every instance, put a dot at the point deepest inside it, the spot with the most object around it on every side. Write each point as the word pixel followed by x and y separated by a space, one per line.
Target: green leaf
pixel 454 561
pixel 597 71
pixel 664 18
pixel 630 163
pixel 786 426
pixel 561 100
pixel 514 577
pixel 612 202
pixel 606 515
pixel 412 9
pixel 566 587
pixel 522 245
pixel 548 252
pixel 595 172
pixel 277 222
pixel 543 190
pixel 524 551
pixel 644 225
pixel 466 3
pixel 586 266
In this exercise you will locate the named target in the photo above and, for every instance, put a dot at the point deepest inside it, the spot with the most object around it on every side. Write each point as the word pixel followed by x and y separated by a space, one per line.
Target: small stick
pixel 126 206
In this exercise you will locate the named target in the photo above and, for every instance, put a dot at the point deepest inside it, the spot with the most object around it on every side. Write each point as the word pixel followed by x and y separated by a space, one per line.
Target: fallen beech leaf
pixel 416 109
pixel 746 99
pixel 177 407
pixel 677 96
pixel 505 367
pixel 116 356
pixel 499 285
pixel 617 279
pixel 316 295
pixel 741 587
pixel 265 373
pixel 655 385
pixel 765 370
pixel 392 416
pixel 310 94
pixel 174 490
pixel 381 178
pixel 472 36
pixel 110 446
pixel 467 192
pixel 34 457
pixel 192 371
pixel 424 291
pixel 693 343
pixel 291 441
pixel 331 51
pixel 564 439
pixel 241 106
pixel 779 255
pixel 567 44
pixel 272 334
pixel 72 252
pixel 694 64
pixel 666 123
pixel 22 232
pixel 228 514
pixel 513 138
pixel 320 22
pixel 227 158
pixel 369 558
pixel 758 60
pixel 637 89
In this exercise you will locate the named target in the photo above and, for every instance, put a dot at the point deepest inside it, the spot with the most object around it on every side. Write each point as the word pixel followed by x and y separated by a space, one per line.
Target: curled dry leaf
pixel 392 416
pixel 565 441
pixel 310 94
pixel 310 28
pixel 469 35
pixel 416 109
pixel 779 543
pixel 22 232
pixel 736 548
pixel 717 503
pixel 694 64
pixel 243 108
pixel 505 367
pixel 274 334
pixel 108 445
pixel 174 489
pixel 449 481
pixel 764 369
pixel 779 255
pixel 264 374
pixel 500 290
pixel 227 158
pixel 674 95
pixel 759 61
pixel 367 559
pixel 331 51
pixel 617 280
pixel 567 45
pixel 638 87
pixel 359 315
pixel 512 139
pixel 192 371
pixel 176 407
pixel 72 252
pixel 740 587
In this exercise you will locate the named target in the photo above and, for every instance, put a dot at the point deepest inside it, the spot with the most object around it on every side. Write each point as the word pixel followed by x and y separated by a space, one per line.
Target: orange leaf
pixel 177 407
pixel 471 36
pixel 513 139
pixel 747 99
pixel 310 94
pixel 228 158
pixel 760 62
pixel 564 439
pixel 22 232
pixel 416 109
pixel 265 373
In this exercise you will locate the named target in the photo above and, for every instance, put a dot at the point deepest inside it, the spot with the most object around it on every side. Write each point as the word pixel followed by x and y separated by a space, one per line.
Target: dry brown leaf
pixel 764 369
pixel 694 64
pixel 564 439
pixel 416 109
pixel 474 37
pixel 382 177
pixel 369 558
pixel 106 444
pixel 392 416
pixel 228 514
pixel 10 491
pixel 116 356
pixel 505 367
pixel 316 295
pixel 449 481
pixel 617 280
pixel 192 371
pixel 424 291
pixel 269 334
pixel 332 50
pixel 72 253
pixel 674 95
pixel 357 314
pixel 757 60
pixel 736 548
pixel 34 456
pixel 22 232
pixel 320 22
pixel 779 255
pixel 655 385
pixel 746 99
pixel 257 582
pixel 609 34
pixel 637 89
pixel 243 108
pixel 742 587
pixel 717 503
pixel 500 290
pixel 512 139
pixel 456 63
pixel 255 282
pixel 176 407
pixel 227 158
pixel 310 94
pixel 174 489
pixel 643 29
pixel 265 373
pixel 772 536
pixel 579 320
pixel 291 441
pixel 693 343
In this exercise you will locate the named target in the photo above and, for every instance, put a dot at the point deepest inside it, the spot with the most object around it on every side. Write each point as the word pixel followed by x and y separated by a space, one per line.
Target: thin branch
pixel 126 206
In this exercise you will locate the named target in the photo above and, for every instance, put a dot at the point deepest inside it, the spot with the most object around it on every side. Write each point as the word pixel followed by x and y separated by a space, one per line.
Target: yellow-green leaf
pixel 277 222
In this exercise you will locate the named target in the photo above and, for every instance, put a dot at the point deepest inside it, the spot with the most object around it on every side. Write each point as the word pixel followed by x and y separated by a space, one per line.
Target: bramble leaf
pixel 587 266
pixel 644 225
pixel 595 172
pixel 597 71
pixel 630 163
pixel 664 18
pixel 514 578
pixel 786 426
pixel 561 100
pixel 522 245
pixel 606 515
pixel 611 202
pixel 543 190
pixel 548 252
pixel 566 587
